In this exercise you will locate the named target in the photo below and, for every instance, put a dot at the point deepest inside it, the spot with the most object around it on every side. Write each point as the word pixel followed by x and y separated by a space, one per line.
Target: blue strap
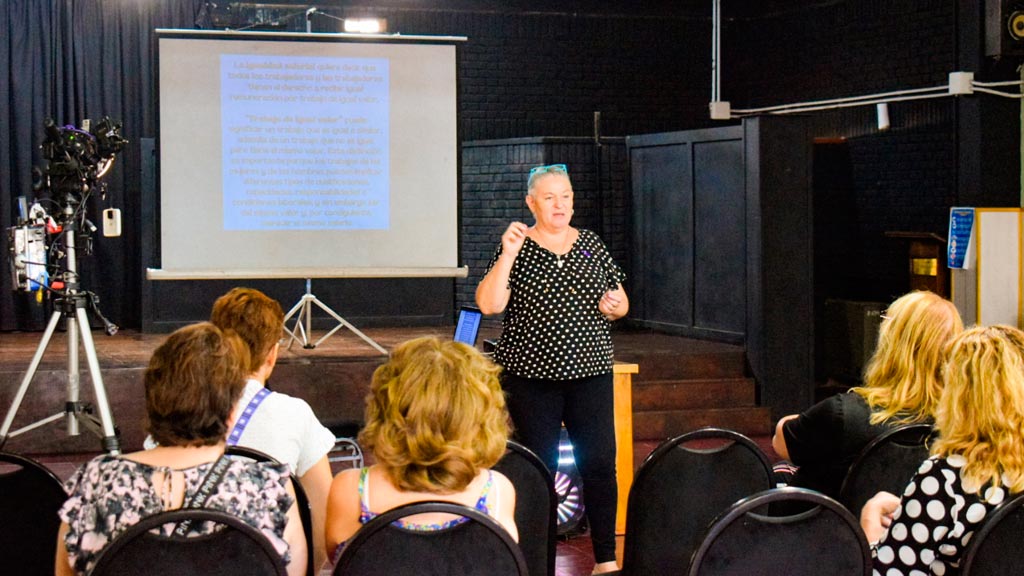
pixel 243 420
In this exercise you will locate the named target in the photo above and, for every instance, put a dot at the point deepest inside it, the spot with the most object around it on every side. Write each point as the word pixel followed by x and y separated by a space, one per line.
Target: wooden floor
pixel 131 350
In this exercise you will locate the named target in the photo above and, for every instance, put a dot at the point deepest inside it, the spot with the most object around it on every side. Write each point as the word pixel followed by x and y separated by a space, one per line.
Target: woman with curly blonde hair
pixel 902 384
pixel 976 462
pixel 435 423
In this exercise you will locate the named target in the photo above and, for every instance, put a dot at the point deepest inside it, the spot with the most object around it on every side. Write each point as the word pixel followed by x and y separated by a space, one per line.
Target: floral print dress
pixel 109 494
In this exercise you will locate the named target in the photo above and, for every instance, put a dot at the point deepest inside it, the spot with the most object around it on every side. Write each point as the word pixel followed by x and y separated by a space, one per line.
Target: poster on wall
pixel 961 233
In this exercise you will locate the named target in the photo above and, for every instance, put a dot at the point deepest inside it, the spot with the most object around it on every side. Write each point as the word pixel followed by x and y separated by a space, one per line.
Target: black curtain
pixel 72 60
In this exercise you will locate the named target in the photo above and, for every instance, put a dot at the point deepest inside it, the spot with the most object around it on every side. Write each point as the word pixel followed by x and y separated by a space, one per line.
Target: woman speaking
pixel 560 290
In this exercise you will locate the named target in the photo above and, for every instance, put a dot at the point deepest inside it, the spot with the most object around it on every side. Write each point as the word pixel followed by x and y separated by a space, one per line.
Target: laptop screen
pixel 467 325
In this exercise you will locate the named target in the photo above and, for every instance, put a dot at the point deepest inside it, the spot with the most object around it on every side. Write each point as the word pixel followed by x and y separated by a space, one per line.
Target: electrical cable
pixel 1003 83
pixel 806 108
pixel 854 100
pixel 998 93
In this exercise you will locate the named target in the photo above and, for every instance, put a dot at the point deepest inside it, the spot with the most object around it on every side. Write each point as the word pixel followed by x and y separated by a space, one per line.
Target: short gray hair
pixel 539 172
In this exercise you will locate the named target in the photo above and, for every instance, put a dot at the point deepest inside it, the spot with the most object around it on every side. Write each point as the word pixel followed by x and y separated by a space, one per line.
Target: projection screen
pixel 307 155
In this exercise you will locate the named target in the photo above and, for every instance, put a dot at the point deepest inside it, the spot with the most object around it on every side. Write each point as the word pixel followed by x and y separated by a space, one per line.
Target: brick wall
pixel 543 69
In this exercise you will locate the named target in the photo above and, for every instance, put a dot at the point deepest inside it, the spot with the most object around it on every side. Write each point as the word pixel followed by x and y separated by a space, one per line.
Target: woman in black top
pixel 560 290
pixel 902 385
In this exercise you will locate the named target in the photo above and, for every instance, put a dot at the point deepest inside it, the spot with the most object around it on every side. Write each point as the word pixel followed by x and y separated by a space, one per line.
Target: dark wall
pixel 937 154
pixel 542 68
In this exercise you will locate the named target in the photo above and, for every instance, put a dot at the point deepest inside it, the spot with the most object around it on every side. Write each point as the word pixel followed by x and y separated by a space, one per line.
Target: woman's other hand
pixel 614 304
pixel 876 515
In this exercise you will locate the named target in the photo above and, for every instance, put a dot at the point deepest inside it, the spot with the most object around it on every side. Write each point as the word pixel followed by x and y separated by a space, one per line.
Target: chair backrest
pixel 234 548
pixel 682 486
pixel 478 546
pixel 887 463
pixel 823 539
pixel 30 496
pixel 536 502
pixel 996 547
pixel 301 500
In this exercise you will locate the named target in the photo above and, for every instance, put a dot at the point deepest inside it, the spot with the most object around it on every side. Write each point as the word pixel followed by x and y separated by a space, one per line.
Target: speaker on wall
pixel 1004 28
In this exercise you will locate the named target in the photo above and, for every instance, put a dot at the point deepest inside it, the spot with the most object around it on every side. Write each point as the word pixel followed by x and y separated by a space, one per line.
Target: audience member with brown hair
pixel 276 424
pixel 435 423
pixel 192 384
pixel 902 384
pixel 977 460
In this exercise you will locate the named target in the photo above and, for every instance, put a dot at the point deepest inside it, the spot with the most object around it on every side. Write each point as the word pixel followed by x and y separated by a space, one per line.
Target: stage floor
pixel 130 348
pixel 333 377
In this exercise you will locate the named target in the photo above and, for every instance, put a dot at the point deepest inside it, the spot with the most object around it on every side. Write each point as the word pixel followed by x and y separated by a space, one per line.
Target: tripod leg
pixel 343 322
pixel 299 333
pixel 292 338
pixel 54 320
pixel 74 377
pixel 110 442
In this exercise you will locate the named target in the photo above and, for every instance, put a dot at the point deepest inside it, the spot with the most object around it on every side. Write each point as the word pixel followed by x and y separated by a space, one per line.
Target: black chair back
pixel 235 548
pixel 30 496
pixel 301 500
pixel 478 546
pixel 536 503
pixel 823 539
pixel 887 463
pixel 680 488
pixel 996 547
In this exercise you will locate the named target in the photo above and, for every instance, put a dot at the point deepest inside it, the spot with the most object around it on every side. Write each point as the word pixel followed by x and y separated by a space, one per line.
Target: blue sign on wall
pixel 961 226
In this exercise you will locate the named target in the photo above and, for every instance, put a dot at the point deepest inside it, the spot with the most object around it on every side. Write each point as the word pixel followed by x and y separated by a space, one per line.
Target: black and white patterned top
pixel 552 328
pixel 936 519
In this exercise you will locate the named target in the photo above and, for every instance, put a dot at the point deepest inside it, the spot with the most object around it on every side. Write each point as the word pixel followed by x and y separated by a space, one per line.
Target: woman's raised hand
pixel 513 238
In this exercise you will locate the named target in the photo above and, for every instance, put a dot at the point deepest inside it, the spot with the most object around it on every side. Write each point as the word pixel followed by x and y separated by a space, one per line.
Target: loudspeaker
pixel 1004 28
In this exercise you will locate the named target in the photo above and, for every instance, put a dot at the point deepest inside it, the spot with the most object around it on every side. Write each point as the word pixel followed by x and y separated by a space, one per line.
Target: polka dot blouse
pixel 552 328
pixel 936 519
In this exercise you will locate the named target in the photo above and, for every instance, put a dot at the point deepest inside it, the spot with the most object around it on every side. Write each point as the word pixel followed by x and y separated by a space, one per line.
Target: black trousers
pixel 587 407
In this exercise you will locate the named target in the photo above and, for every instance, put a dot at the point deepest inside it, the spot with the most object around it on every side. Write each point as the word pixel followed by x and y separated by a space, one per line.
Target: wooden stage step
pixel 686 384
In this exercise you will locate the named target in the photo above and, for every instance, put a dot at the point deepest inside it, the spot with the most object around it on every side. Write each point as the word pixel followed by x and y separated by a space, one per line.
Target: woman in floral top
pixel 192 383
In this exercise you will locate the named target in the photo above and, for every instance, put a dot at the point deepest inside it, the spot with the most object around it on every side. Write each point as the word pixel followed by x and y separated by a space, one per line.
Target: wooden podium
pixel 926 259
pixel 623 437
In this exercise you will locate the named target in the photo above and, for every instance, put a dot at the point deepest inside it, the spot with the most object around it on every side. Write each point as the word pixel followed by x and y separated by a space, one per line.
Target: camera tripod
pixel 73 307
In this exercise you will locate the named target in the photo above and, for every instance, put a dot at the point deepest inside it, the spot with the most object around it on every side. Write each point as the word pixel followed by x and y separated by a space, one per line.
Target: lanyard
pixel 243 420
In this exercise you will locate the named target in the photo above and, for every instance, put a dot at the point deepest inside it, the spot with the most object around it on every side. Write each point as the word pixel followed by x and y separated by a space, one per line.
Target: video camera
pixel 76 159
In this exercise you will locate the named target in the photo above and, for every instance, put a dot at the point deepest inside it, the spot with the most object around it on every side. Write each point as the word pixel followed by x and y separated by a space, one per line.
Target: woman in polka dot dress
pixel 976 463
pixel 560 290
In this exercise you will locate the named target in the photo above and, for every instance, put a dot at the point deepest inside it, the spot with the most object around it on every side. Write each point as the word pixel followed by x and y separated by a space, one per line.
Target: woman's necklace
pixel 563 251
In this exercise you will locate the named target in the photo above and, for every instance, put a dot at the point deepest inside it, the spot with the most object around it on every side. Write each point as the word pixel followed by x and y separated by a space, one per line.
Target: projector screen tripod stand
pixel 303 327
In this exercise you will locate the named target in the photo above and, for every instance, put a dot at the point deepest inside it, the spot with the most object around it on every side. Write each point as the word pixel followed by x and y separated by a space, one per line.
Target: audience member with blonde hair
pixel 192 384
pixel 902 384
pixel 435 423
pixel 977 461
